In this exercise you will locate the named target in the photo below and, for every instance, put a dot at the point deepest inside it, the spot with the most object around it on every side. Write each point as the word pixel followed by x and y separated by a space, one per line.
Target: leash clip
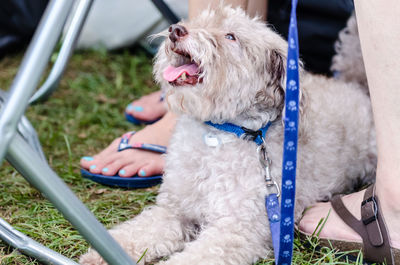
pixel 266 164
pixel 252 135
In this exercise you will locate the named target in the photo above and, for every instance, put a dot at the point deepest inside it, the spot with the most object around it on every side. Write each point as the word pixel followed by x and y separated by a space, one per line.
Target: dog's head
pixel 225 67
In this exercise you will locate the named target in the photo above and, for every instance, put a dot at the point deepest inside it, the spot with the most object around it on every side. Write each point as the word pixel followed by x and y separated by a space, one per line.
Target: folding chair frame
pixel 20 146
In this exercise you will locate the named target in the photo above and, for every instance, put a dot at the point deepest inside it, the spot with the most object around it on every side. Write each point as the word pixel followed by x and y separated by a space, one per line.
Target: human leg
pixel 252 7
pixel 196 6
pixel 257 8
pixel 377 26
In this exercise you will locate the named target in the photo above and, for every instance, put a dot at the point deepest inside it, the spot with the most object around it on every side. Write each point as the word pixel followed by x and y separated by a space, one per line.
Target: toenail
pixel 87 158
pixel 138 108
pixel 142 173
pixel 122 172
pixel 104 169
pixel 92 166
pixel 129 107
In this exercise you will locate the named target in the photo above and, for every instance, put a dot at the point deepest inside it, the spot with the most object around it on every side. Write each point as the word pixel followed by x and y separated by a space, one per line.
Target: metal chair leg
pixel 30 247
pixel 31 69
pixel 67 48
pixel 27 161
pixel 25 129
pixel 38 173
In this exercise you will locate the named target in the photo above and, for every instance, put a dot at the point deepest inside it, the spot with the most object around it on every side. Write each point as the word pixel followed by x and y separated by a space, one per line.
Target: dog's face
pixel 224 67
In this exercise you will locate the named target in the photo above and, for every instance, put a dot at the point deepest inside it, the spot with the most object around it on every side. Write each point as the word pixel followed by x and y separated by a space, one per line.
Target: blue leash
pixel 281 218
pixel 282 222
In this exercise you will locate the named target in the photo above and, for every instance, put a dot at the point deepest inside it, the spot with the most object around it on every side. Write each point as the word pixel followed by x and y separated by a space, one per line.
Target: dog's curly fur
pixel 348 62
pixel 210 207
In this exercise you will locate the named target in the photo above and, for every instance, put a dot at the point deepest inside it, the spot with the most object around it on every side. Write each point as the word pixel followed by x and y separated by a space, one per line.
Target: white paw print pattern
pixel 286 254
pixel 290 146
pixel 290 126
pixel 288 203
pixel 287 239
pixel 288 184
pixel 292 106
pixel 292 64
pixel 287 221
pixel 292 43
pixel 275 217
pixel 292 85
pixel 272 203
pixel 289 165
pixel 292 22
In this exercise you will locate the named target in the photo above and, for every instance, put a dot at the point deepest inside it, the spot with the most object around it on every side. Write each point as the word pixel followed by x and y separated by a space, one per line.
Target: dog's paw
pixel 92 258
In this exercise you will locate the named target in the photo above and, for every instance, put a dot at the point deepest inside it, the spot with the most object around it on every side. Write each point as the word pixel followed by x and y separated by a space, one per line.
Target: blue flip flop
pixel 136 121
pixel 128 182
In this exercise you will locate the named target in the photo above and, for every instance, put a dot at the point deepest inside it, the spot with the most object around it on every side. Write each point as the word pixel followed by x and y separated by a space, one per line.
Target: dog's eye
pixel 230 36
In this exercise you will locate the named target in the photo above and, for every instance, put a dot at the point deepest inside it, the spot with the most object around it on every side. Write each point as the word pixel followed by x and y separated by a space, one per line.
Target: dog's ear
pixel 277 71
pixel 276 68
pixel 271 97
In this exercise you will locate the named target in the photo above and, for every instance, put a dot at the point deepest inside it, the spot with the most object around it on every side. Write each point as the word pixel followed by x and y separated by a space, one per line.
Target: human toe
pixel 148 107
pixel 142 170
pixel 131 109
pixel 331 226
pixel 102 164
pixel 112 169
pixel 151 169
pixel 129 171
pixel 145 112
pixel 312 217
pixel 86 161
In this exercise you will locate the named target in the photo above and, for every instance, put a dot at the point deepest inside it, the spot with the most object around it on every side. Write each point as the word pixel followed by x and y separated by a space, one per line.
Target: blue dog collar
pixel 256 136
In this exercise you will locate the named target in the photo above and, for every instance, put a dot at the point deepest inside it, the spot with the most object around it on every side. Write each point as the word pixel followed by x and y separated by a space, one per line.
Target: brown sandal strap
pixel 346 216
pixel 369 217
pixel 371 227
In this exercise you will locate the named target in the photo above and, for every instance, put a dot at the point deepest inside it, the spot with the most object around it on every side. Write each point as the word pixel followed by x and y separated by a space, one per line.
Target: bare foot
pixel 336 229
pixel 147 108
pixel 130 162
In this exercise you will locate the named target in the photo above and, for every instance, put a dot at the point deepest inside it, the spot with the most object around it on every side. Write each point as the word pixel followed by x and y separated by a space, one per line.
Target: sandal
pixel 128 182
pixel 372 229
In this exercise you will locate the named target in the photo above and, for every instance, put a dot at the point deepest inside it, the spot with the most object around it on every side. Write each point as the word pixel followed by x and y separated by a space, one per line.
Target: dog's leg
pixel 156 230
pixel 227 241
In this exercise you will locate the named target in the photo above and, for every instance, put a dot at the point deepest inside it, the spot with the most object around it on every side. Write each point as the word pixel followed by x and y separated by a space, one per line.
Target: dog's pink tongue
pixel 172 73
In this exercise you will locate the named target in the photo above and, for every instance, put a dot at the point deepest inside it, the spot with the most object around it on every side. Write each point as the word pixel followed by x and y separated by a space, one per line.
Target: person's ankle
pixel 387 188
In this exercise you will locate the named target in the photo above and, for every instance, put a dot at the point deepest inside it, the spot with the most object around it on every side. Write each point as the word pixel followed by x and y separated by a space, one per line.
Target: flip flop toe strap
pixel 371 227
pixel 124 145
pixel 125 140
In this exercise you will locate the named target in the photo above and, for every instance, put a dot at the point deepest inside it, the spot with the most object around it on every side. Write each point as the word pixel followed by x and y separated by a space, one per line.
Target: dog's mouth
pixel 185 71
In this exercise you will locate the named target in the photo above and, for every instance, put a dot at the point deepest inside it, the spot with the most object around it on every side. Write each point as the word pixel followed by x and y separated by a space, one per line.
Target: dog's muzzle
pixel 186 71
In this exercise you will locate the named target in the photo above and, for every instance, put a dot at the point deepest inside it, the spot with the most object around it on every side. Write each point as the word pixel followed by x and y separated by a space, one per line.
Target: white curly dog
pixel 225 67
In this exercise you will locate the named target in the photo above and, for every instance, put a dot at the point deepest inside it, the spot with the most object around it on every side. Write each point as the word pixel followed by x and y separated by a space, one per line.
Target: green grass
pixel 83 116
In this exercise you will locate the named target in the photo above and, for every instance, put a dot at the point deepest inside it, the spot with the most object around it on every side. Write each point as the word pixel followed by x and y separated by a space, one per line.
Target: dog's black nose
pixel 177 32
